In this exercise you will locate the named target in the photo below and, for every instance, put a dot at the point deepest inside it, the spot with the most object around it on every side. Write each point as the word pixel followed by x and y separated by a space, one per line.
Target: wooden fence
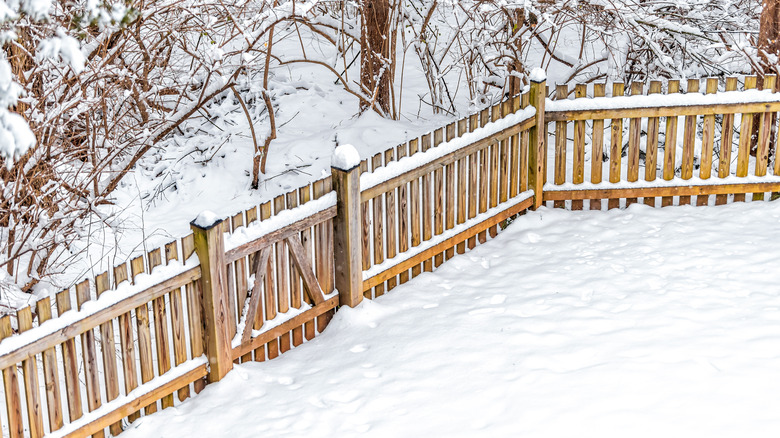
pixel 149 334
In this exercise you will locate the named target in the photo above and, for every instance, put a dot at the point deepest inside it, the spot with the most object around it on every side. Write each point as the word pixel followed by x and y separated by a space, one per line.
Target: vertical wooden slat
pixel 378 235
pixel 484 175
pixel 269 288
pixel 126 342
pixel 651 147
pixel 474 188
pixel 670 145
pixel 242 286
pixel 746 126
pixel 108 350
pixel 144 335
pixel 765 121
pixel 438 197
pixel 578 152
pixel 13 399
pixel 89 356
pixel 634 131
pixel 726 142
pixel 514 155
pixel 322 254
pixel 503 159
pixel 494 153
pixel 689 142
pixel 30 376
pixel 296 289
pixel 177 320
pixel 51 375
pixel 366 231
pixel 449 192
pixel 390 222
pixel 597 147
pixel 69 364
pixel 616 146
pixel 282 283
pixel 304 195
pixel 414 208
pixel 462 185
pixel 561 92
pixel 427 203
pixel 162 344
pixel 707 142
pixel 194 306
pixel 524 142
pixel 403 216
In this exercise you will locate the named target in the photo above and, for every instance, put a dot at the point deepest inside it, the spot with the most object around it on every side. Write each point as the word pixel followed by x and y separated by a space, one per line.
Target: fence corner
pixel 346 230
pixel 210 247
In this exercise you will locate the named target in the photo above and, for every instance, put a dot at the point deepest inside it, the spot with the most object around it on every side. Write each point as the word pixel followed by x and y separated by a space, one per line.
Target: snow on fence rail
pixel 265 280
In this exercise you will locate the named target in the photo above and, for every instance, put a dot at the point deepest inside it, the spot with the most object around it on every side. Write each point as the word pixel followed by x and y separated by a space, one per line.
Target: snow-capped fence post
pixel 345 172
pixel 210 247
pixel 536 140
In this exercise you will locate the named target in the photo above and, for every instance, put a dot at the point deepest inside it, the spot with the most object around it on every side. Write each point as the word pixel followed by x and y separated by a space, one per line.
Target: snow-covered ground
pixel 637 322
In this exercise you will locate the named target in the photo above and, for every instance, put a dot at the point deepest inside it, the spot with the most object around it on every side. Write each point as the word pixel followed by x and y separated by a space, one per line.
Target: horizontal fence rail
pixel 150 333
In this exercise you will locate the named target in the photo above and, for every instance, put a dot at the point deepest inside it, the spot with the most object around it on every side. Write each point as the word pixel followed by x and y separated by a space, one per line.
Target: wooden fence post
pixel 536 137
pixel 210 247
pixel 347 250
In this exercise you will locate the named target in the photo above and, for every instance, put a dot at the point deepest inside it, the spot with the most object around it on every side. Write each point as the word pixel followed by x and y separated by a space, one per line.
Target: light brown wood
pixel 89 427
pixel 51 375
pixel 616 145
pixel 515 161
pixel 578 147
pixel 427 204
pixel 634 132
pixel 746 126
pixel 13 399
pixel 177 320
pixel 144 334
pixel 32 391
pixel 651 145
pixel 346 237
pixel 597 147
pixel 282 280
pixel 414 207
pixel 449 199
pixel 259 268
pixel 378 219
pixel 765 122
pixel 69 364
pixel 272 334
pixel 689 142
pixel 707 141
pixel 438 197
pixel 194 292
pixel 310 283
pixel 210 247
pixel 537 142
pixel 670 143
pixel 403 216
pixel 503 159
pixel 162 343
pixel 663 111
pixel 280 234
pixel 108 350
pixel 662 191
pixel 443 161
pixel 296 296
pixel 726 143
pixel 454 240
pixel 473 170
pixel 523 152
pixel 304 194
pixel 561 92
pixel 390 221
pixel 126 342
pixel 239 266
pixel 89 356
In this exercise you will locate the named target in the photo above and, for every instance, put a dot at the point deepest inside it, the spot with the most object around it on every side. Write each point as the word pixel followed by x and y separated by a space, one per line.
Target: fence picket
pixel 13 399
pixel 144 335
pixel 746 126
pixel 69 365
pixel 597 147
pixel 89 356
pixel 726 143
pixel 390 221
pixel 616 146
pixel 670 145
pixel 51 374
pixel 765 122
pixel 462 189
pixel 634 132
pixel 651 145
pixel 561 92
pixel 30 376
pixel 110 374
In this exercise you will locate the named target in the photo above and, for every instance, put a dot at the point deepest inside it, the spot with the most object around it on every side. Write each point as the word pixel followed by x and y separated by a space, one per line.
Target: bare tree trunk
pixel 769 53
pixel 375 73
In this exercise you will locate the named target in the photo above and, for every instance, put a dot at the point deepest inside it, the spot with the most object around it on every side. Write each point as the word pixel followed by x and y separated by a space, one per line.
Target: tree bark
pixel 769 55
pixel 375 72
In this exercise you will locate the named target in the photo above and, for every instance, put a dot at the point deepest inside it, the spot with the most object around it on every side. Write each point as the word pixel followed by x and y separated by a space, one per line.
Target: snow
pixel 662 100
pixel 643 322
pixel 282 219
pixel 345 157
pixel 406 164
pixel 206 219
pixel 538 75
pixel 138 392
pixel 659 183
pixel 125 290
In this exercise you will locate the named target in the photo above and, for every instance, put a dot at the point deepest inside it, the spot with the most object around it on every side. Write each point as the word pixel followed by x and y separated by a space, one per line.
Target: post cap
pixel 345 157
pixel 538 75
pixel 206 220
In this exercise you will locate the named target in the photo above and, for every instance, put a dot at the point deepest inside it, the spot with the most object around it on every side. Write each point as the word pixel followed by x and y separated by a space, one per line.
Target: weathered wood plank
pixel 746 126
pixel 89 356
pixel 390 221
pixel 597 147
pixel 69 364
pixel 403 216
pixel 663 111
pixel 414 207
pixel 634 132
pixel 51 375
pixel 194 292
pixel 616 145
pixel 378 229
pixel 30 376
pixel 651 146
pixel 765 122
pixel 726 143
pixel 13 399
pixel 561 92
pixel 177 320
pixel 296 297
pixel 578 151
pixel 670 144
pixel 662 191
pixel 108 350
